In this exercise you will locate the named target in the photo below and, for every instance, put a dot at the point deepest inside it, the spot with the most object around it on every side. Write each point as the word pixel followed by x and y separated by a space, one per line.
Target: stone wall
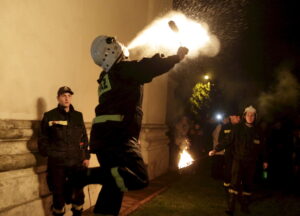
pixel 155 148
pixel 23 188
pixel 23 185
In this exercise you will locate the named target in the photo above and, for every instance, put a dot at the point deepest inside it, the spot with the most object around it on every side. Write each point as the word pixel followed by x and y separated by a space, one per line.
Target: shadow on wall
pixel 41 162
pixel 41 107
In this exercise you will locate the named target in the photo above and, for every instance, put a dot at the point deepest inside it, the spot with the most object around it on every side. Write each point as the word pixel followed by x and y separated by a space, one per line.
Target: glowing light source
pixel 206 77
pixel 219 116
pixel 159 37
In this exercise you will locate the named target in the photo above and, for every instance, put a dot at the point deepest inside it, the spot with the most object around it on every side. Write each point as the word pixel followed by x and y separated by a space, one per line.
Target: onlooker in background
pixel 246 142
pixel 217 168
pixel 234 119
pixel 64 141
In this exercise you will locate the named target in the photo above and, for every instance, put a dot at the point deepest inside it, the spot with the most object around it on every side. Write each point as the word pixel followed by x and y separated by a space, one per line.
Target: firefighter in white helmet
pixel 246 143
pixel 116 127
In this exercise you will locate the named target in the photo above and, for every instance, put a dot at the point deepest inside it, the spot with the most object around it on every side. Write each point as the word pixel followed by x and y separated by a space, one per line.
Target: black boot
pixel 231 204
pixel 57 212
pixel 76 212
pixel 245 201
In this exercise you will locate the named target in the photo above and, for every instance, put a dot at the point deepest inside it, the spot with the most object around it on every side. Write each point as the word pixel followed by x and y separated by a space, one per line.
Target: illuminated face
pixel 250 117
pixel 64 99
pixel 234 119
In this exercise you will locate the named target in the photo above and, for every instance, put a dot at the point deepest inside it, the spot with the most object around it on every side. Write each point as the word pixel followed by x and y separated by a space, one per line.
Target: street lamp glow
pixel 206 77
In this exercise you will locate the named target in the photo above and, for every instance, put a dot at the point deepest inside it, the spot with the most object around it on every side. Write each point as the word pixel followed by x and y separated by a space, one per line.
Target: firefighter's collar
pixel 62 109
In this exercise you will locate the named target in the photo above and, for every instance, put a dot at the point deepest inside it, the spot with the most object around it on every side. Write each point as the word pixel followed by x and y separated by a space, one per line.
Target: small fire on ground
pixel 185 159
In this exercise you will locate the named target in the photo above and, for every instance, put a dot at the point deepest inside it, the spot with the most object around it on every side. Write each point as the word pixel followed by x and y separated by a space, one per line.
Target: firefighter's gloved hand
pixel 182 52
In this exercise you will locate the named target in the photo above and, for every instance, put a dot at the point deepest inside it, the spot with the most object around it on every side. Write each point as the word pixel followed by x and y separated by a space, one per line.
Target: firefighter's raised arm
pixel 110 54
pixel 145 70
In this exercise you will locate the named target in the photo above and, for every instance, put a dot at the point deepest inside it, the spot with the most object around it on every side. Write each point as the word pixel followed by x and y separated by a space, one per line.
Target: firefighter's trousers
pixel 227 168
pixel 58 179
pixel 242 176
pixel 121 169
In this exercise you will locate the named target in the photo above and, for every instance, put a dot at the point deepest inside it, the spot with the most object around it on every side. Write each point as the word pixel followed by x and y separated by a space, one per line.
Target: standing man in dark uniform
pixel 246 143
pixel 116 127
pixel 226 129
pixel 64 141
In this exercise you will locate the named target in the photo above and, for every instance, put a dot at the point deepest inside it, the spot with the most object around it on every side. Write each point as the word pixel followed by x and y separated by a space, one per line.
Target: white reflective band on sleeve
pixel 104 118
pixel 226 184
pixel 233 191
pixel 119 179
pixel 256 141
pixel 246 193
pixel 51 123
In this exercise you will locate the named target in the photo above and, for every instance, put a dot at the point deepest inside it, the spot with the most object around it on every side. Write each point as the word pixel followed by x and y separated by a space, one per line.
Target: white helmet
pixel 106 51
pixel 250 109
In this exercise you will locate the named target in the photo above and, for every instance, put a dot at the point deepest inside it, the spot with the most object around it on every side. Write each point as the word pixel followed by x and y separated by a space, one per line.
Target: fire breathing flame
pixel 159 37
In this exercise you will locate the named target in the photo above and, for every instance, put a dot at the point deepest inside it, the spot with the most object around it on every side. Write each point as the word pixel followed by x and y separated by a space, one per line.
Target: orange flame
pixel 185 159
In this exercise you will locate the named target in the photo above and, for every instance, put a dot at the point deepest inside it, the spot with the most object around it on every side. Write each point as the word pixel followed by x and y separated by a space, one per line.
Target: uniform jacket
pixel 225 131
pixel 215 135
pixel 246 143
pixel 121 93
pixel 63 137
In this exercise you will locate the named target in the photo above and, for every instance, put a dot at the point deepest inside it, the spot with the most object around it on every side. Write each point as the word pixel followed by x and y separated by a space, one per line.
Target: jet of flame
pixel 159 36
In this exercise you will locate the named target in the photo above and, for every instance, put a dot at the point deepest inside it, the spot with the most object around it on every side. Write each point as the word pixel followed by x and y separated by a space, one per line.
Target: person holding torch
pixel 116 127
pixel 246 144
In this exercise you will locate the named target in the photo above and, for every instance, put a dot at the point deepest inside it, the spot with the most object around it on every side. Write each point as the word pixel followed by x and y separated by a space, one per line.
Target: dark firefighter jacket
pixel 63 137
pixel 246 143
pixel 224 133
pixel 121 93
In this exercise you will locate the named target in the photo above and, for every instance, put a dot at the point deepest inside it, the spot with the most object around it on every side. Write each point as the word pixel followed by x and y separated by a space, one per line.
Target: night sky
pixel 258 38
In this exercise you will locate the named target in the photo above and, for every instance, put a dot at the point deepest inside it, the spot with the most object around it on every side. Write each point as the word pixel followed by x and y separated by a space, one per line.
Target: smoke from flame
pixel 159 37
pixel 283 97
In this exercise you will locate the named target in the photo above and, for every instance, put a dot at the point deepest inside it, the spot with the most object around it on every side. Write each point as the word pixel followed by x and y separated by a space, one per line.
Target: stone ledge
pixel 14 147
pixel 15 134
pixel 38 207
pixel 20 161
pixel 10 124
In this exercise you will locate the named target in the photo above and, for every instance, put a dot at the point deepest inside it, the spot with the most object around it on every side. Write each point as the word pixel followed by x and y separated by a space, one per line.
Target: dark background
pixel 258 38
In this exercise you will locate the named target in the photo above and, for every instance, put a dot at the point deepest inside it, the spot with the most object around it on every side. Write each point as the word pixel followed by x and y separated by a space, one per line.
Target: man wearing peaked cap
pixel 64 141
pixel 64 89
